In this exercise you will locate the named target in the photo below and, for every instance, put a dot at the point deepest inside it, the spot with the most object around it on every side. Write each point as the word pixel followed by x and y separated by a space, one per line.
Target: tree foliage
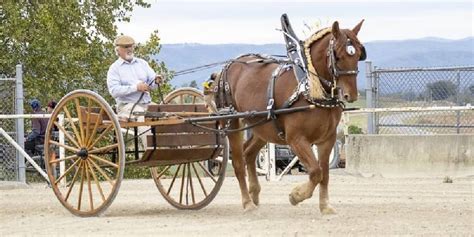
pixel 353 129
pixel 192 84
pixel 65 46
pixel 441 90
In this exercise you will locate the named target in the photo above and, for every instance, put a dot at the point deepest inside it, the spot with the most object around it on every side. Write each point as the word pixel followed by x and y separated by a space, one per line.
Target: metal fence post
pixel 369 96
pixel 458 101
pixel 271 159
pixel 20 130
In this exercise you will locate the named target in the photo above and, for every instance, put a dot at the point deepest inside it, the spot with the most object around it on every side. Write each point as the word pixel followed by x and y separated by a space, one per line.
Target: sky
pixel 256 21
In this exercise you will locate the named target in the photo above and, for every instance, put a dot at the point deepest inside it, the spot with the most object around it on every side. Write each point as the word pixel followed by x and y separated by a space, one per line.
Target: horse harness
pixel 298 57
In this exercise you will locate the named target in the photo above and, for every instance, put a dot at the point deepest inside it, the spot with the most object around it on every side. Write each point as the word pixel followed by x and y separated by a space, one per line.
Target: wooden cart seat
pixel 177 108
pixel 181 143
pixel 93 115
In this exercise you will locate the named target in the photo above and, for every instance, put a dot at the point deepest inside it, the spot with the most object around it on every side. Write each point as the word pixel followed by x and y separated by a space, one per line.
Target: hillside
pixel 425 52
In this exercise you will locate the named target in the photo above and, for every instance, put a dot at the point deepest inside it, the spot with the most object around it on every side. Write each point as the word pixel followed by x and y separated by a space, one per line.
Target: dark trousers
pixel 30 146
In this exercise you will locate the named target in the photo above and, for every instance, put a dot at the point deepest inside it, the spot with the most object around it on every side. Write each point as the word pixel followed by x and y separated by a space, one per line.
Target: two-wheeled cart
pixel 95 153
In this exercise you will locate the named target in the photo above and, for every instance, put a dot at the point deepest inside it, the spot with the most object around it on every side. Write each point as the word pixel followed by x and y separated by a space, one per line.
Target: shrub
pixel 353 129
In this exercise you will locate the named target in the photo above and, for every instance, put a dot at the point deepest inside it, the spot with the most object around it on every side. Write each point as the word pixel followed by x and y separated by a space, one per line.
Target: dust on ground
pixel 366 206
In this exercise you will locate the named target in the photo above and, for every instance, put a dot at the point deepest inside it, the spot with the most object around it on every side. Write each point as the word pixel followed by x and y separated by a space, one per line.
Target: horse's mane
pixel 316 90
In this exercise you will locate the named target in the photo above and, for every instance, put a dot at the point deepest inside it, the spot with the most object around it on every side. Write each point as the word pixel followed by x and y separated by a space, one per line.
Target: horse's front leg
pixel 302 149
pixel 236 144
pixel 324 151
pixel 251 149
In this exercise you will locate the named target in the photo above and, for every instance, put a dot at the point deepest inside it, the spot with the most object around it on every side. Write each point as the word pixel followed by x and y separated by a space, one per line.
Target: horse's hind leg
pixel 236 142
pixel 251 148
pixel 324 150
pixel 302 149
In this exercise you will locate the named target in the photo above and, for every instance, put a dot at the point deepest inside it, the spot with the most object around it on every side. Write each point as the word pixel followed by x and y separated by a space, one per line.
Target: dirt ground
pixel 371 206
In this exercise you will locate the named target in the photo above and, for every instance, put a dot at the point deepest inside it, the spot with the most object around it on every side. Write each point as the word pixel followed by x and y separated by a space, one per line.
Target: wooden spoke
pixel 67 171
pixel 207 172
pixel 191 184
pixel 187 184
pixel 70 148
pixel 67 134
pixel 96 181
pixel 79 201
pixel 73 181
pixel 88 120
pixel 91 202
pixel 71 122
pixel 101 135
pixel 174 178
pixel 182 185
pixel 199 179
pixel 63 159
pixel 79 115
pixel 163 171
pixel 94 130
pixel 104 149
pixel 103 160
pixel 101 171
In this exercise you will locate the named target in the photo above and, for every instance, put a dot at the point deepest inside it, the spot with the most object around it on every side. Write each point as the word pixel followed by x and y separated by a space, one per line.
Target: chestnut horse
pixel 248 85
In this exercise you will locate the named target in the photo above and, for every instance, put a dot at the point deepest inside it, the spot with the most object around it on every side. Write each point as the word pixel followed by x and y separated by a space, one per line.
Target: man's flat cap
pixel 124 40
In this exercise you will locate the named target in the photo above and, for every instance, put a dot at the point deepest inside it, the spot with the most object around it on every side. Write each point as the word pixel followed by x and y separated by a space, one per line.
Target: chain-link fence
pixel 8 163
pixel 423 87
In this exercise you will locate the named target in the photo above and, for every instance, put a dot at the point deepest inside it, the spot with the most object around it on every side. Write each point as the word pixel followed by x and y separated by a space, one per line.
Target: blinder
pixel 363 54
pixel 351 50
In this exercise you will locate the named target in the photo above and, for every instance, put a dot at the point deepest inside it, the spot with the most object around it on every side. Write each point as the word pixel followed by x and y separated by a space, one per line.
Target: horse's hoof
pixel 328 210
pixel 293 201
pixel 256 202
pixel 250 207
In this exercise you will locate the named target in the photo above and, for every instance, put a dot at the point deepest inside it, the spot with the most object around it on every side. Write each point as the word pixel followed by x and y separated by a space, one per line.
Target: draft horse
pixel 332 57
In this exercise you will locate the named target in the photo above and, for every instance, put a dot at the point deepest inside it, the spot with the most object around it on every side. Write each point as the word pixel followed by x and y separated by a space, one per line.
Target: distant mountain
pixel 425 52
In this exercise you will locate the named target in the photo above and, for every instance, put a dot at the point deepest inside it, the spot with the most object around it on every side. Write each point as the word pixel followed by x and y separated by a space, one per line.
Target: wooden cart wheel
pixel 185 95
pixel 190 185
pixel 94 157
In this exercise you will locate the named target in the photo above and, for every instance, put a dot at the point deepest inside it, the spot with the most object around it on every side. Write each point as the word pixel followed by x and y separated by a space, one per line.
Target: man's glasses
pixel 127 46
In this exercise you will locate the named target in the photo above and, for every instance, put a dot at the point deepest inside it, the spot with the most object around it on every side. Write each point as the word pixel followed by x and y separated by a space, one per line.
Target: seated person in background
pixel 38 128
pixel 208 92
pixel 51 105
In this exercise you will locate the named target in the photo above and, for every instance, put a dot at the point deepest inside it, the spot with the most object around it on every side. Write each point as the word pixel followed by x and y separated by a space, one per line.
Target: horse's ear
pixel 335 29
pixel 357 27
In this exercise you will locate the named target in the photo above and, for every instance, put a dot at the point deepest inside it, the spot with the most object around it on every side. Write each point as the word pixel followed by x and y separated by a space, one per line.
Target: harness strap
pixel 222 92
pixel 271 101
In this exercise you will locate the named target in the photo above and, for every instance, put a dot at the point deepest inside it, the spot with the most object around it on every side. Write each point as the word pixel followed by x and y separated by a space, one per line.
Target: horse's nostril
pixel 346 96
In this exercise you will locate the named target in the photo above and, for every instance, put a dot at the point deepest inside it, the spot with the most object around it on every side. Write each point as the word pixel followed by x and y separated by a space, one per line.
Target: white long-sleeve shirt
pixel 123 78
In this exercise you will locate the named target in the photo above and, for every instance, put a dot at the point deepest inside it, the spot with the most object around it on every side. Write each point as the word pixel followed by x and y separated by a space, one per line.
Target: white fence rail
pixel 270 171
pixel 19 146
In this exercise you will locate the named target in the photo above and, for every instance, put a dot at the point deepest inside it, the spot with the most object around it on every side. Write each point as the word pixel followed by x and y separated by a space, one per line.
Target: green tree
pixel 193 84
pixel 67 45
pixel 353 129
pixel 441 90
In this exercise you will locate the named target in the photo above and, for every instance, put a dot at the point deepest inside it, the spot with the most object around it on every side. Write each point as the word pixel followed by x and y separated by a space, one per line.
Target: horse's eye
pixel 350 50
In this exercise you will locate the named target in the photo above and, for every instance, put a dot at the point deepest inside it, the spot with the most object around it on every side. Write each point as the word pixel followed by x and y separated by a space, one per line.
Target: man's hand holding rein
pixel 158 79
pixel 143 87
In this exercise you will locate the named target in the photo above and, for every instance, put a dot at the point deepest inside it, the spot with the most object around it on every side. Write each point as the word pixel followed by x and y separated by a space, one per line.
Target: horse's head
pixel 343 53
